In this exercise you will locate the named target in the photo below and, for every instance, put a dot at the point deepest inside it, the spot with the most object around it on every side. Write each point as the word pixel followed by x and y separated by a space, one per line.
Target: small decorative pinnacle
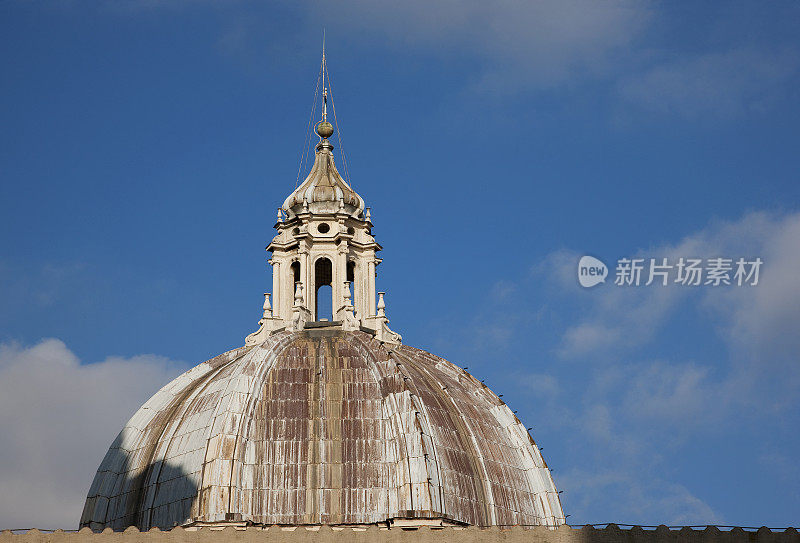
pixel 347 294
pixel 351 322
pixel 381 305
pixel 267 307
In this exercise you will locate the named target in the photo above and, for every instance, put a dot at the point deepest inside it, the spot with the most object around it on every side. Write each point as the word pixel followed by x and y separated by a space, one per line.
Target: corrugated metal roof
pixel 322 427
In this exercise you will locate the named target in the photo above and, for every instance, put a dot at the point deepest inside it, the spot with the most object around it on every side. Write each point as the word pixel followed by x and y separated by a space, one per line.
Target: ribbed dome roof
pixel 324 188
pixel 322 427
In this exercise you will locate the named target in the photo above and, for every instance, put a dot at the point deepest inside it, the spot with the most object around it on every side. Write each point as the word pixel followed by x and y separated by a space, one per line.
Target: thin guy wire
pixel 308 130
pixel 339 133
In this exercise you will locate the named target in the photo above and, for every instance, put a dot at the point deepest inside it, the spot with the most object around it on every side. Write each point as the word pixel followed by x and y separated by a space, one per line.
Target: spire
pixel 324 128
pixel 324 190
pixel 324 88
pixel 324 240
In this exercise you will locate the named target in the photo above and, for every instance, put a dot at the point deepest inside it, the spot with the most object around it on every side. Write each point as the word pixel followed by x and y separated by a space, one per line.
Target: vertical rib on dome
pixel 322 427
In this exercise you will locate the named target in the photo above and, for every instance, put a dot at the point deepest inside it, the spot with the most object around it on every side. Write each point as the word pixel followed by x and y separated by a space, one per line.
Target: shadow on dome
pixel 130 489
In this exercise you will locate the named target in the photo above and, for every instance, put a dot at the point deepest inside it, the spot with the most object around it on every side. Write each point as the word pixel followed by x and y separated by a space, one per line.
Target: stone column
pixel 276 288
pixel 371 287
pixel 339 277
pixel 288 290
pixel 306 275
pixel 362 287
pixel 355 286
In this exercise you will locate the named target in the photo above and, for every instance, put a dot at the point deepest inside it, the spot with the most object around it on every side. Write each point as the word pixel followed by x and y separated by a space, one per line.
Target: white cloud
pixel 763 316
pixel 57 419
pixel 716 85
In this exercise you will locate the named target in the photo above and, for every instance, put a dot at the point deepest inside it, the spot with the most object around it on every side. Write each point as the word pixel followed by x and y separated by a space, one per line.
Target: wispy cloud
pixel 717 85
pixel 753 374
pixel 750 318
pixel 634 498
pixel 542 385
pixel 43 284
pixel 631 404
pixel 761 323
pixel 512 47
pixel 516 44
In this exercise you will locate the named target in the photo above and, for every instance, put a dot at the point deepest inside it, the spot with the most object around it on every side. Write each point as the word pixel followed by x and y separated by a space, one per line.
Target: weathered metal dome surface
pixel 324 190
pixel 322 427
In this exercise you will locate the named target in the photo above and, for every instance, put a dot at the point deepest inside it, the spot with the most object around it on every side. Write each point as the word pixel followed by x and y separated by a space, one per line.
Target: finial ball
pixel 325 129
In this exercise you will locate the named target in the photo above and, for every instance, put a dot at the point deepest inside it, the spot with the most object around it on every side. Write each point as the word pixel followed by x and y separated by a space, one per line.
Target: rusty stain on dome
pixel 322 427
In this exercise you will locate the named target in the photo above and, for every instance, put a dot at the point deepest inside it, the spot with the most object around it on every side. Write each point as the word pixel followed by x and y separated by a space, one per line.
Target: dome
pixel 322 426
pixel 324 190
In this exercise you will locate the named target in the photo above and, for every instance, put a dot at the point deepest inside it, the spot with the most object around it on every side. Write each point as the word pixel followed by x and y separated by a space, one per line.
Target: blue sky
pixel 146 146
